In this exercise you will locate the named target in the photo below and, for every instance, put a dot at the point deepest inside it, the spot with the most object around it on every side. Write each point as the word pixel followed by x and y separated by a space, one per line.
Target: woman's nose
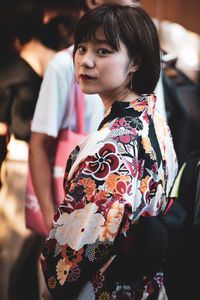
pixel 88 61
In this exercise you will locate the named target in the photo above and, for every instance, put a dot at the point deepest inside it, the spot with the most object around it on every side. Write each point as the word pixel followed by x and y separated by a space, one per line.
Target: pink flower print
pixel 120 124
pixel 136 168
pixel 105 162
pixel 126 138
pixel 126 133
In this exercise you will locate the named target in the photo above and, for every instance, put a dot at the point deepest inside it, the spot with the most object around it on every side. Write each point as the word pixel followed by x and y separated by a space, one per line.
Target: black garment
pixel 183 262
pixel 182 102
pixel 144 248
pixel 20 286
pixel 19 88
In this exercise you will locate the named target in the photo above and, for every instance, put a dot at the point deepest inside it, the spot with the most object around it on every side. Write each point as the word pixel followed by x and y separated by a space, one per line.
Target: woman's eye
pixel 81 49
pixel 103 51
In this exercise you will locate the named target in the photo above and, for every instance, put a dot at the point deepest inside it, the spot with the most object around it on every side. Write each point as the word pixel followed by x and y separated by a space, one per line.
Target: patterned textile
pixel 123 171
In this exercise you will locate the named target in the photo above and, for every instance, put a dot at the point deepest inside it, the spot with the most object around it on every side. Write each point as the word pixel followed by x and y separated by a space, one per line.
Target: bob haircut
pixel 133 27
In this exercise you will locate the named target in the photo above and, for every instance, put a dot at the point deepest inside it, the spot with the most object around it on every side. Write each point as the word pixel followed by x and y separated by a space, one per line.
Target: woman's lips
pixel 86 77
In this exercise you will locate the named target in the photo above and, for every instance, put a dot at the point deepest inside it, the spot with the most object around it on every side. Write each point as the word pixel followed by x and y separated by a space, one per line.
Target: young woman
pixel 106 241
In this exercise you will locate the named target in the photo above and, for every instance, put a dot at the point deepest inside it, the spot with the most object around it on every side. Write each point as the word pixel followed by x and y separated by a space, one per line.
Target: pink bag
pixel 66 141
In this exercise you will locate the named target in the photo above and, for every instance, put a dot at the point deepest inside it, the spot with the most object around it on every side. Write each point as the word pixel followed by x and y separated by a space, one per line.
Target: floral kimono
pixel 123 171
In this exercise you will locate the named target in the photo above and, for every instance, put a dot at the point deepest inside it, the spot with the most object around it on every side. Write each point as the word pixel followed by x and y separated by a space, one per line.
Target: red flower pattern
pixel 105 162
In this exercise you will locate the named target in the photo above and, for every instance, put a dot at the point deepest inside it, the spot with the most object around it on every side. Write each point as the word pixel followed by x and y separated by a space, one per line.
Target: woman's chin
pixel 88 91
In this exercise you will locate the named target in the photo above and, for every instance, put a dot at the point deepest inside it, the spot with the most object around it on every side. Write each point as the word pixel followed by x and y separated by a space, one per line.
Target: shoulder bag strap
pixel 79 108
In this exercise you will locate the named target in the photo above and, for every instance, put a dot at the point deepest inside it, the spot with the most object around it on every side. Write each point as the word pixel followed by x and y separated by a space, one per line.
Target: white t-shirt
pixel 51 113
pixel 160 103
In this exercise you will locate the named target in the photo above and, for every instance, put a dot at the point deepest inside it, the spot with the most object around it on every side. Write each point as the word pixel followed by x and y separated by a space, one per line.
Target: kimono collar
pixel 145 104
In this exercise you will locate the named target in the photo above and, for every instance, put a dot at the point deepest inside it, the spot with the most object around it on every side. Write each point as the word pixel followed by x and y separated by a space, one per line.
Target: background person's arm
pixel 41 174
pixel 46 123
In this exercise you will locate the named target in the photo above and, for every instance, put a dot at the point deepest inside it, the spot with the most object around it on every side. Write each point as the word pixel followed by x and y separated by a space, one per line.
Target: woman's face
pixel 101 69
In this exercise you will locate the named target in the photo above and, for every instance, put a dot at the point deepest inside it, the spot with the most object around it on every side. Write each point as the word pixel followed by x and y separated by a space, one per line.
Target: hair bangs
pixel 90 24
pixel 135 29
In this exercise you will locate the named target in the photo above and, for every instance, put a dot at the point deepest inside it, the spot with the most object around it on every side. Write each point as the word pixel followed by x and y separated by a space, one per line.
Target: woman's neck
pixel 124 96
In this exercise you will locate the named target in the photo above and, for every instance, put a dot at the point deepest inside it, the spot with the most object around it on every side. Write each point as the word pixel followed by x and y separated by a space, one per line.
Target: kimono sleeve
pixel 87 223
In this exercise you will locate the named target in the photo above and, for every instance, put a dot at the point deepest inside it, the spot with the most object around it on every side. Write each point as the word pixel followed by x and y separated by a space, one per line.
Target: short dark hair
pixel 134 27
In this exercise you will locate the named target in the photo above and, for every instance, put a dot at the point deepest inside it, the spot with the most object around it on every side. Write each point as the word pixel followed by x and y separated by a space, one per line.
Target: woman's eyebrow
pixel 101 41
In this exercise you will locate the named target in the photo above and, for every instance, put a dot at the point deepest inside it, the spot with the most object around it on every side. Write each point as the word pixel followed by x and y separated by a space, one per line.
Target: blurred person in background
pixel 6 54
pixel 20 84
pixel 22 68
pixel 60 18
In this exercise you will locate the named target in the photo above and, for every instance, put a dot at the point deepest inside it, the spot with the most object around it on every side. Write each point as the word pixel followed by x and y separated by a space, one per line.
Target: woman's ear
pixel 135 65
